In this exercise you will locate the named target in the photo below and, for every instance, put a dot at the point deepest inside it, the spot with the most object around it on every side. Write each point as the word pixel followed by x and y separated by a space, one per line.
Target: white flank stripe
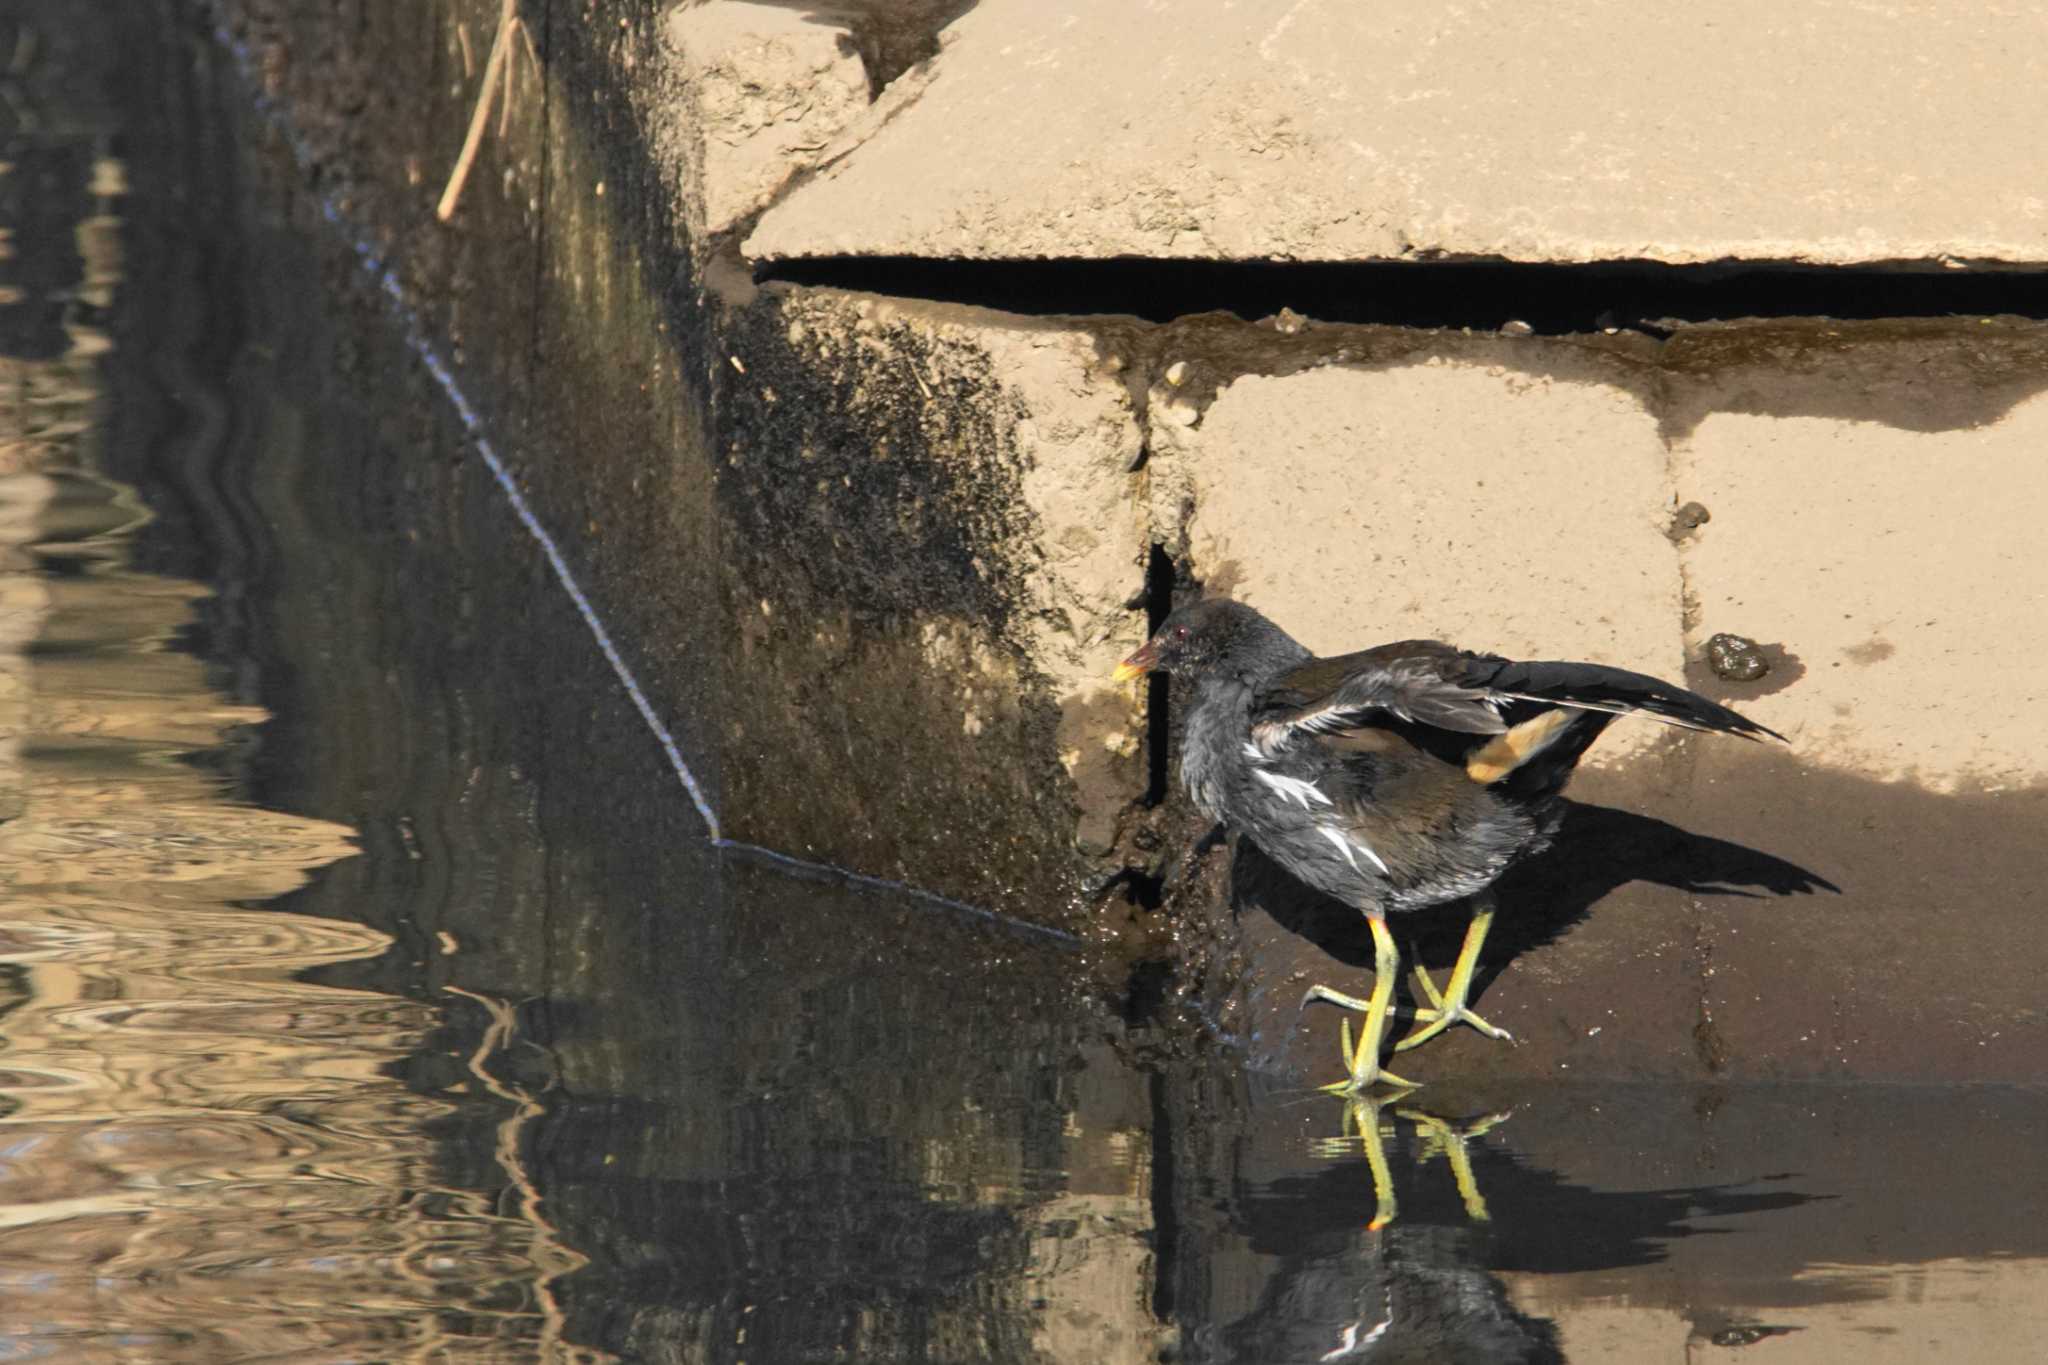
pixel 1293 788
pixel 1351 1343
pixel 1351 847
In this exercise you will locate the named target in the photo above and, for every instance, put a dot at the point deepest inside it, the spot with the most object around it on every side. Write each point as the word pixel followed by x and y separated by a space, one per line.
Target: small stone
pixel 1689 518
pixel 1736 658
pixel 1177 373
pixel 1515 327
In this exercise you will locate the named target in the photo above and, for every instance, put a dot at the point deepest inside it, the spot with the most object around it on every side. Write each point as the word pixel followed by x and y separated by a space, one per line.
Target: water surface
pixel 368 990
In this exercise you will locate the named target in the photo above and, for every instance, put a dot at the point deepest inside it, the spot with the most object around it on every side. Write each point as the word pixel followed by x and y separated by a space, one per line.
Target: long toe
pixel 1379 1078
pixel 1326 996
pixel 1435 1021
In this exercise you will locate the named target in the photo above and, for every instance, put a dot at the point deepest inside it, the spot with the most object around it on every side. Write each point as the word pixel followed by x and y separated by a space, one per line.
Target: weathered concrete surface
pixel 1364 501
pixel 936 502
pixel 873 557
pixel 1897 558
pixel 759 92
pixel 1961 1309
pixel 1521 494
pixel 1836 133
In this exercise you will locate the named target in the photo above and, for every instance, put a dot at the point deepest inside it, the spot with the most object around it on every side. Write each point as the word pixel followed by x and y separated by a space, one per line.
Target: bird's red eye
pixel 1180 632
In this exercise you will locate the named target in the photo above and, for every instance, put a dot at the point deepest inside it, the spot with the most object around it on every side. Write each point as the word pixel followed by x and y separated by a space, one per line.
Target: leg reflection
pixel 1441 1137
pixel 1367 1125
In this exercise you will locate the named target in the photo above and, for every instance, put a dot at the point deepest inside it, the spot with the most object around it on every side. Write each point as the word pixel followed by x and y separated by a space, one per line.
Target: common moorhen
pixel 1395 778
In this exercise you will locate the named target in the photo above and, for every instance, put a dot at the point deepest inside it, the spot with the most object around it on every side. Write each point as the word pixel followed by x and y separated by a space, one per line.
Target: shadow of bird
pixel 1597 850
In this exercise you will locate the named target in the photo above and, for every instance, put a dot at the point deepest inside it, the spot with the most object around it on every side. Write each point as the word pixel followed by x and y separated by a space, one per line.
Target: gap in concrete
pixel 1159 583
pixel 1165 1205
pixel 1551 300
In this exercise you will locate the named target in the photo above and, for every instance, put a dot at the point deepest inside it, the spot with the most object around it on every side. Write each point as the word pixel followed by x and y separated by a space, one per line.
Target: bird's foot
pixel 1435 1021
pixel 1363 1076
pixel 1444 1011
pixel 1325 995
pixel 1352 1087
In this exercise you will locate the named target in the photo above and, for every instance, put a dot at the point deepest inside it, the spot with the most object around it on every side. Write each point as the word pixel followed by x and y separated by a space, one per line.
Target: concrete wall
pixel 874 551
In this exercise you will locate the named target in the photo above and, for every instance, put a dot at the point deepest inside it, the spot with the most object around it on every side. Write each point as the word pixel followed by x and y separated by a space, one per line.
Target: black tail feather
pixel 1600 688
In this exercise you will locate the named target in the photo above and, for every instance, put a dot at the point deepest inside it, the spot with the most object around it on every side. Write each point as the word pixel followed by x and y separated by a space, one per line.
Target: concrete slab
pixel 756 94
pixel 1926 966
pixel 1888 544
pixel 1829 133
pixel 1958 1309
pixel 938 502
pixel 1489 493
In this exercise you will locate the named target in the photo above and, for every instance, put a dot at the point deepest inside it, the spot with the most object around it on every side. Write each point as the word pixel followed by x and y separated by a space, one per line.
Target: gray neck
pixel 1214 739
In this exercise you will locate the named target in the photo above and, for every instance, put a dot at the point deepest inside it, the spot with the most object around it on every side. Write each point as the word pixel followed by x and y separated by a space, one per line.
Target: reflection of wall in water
pixel 203 1155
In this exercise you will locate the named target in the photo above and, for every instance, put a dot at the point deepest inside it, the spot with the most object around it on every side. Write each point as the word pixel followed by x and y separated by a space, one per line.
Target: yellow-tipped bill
pixel 1139 664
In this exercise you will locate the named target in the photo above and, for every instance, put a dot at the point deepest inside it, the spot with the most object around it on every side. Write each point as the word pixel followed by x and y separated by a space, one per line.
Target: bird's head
pixel 1209 637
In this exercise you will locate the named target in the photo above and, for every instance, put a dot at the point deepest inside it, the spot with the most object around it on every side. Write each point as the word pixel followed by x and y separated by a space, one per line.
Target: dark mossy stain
pixel 1708 1045
pixel 1916 374
pixel 1186 363
pixel 857 472
pixel 871 504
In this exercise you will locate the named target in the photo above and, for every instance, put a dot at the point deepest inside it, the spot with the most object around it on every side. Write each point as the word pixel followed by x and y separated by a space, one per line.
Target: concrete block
pixel 1499 495
pixel 1875 500
pixel 1871 490
pixel 933 505
pixel 759 92
pixel 1725 130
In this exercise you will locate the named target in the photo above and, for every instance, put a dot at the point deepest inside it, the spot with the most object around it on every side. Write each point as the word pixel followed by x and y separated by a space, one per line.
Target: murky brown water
pixel 367 990
pixel 203 1155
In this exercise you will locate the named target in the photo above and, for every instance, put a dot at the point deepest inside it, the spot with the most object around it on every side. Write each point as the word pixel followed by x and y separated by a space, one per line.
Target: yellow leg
pixel 1447 1007
pixel 1364 1063
pixel 1441 1138
pixel 1365 1116
pixel 1360 1131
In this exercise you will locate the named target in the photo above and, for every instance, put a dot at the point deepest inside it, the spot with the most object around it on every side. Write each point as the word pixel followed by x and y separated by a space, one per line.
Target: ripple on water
pixel 202 1155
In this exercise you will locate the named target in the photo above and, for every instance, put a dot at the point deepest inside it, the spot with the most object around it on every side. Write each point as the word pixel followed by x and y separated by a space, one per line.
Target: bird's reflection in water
pixel 1353 1285
pixel 1408 1294
pixel 1363 1245
pixel 1367 1123
pixel 1403 1227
